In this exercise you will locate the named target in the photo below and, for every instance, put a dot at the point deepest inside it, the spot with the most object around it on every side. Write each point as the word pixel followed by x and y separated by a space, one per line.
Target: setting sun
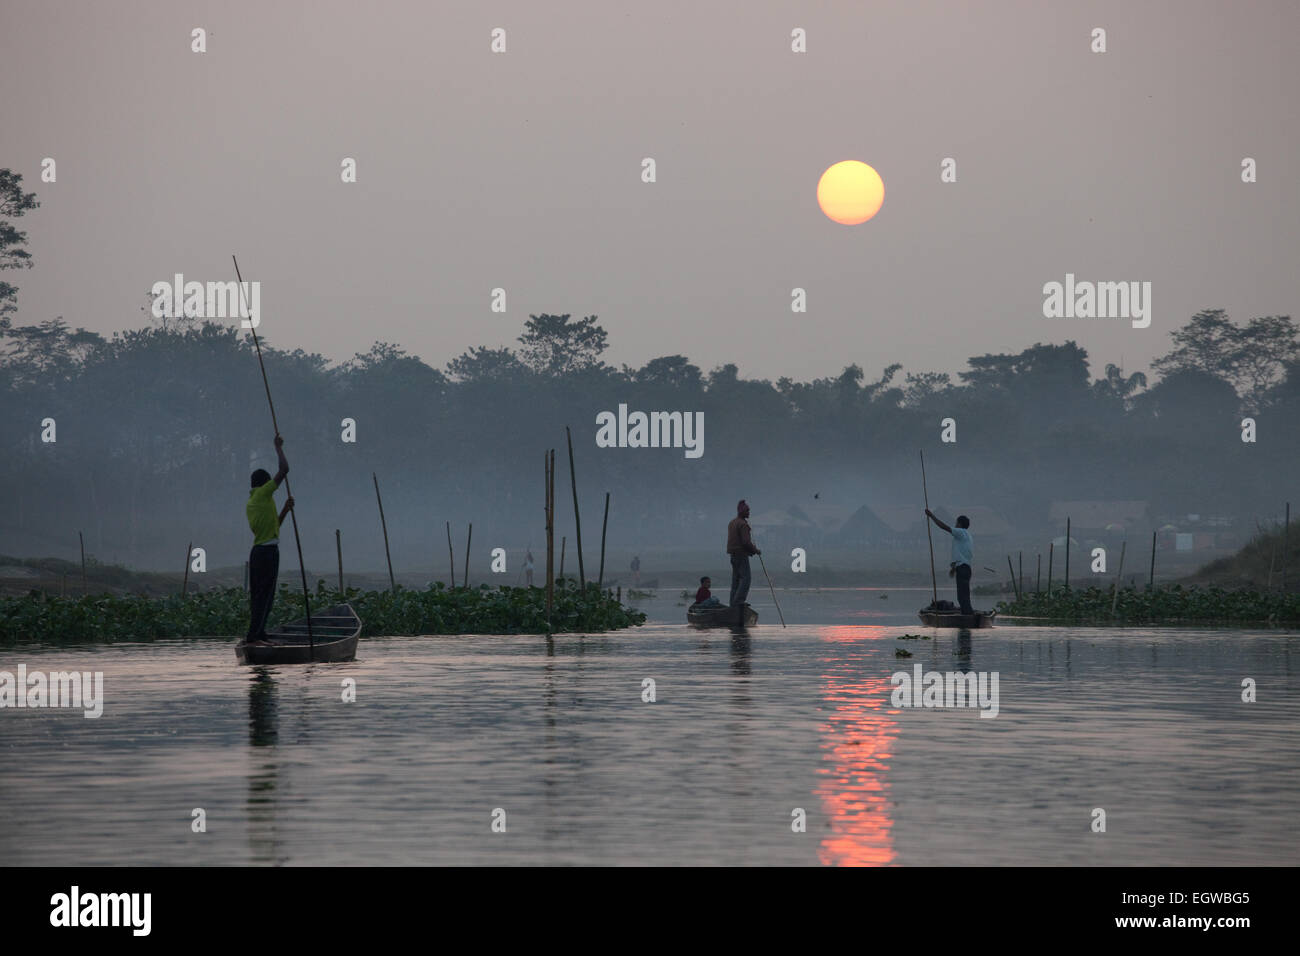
pixel 850 192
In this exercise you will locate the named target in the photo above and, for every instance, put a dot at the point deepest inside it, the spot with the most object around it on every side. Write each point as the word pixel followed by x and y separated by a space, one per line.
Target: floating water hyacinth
pixel 1164 605
pixel 224 613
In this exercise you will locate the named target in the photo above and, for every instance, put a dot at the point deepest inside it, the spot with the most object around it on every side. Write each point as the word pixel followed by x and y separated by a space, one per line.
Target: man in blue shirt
pixel 962 556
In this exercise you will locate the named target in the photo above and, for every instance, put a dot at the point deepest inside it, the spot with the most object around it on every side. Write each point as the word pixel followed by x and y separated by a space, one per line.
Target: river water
pixel 748 735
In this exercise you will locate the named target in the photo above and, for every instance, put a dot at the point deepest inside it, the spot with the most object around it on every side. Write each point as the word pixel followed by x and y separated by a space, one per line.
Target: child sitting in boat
pixel 702 597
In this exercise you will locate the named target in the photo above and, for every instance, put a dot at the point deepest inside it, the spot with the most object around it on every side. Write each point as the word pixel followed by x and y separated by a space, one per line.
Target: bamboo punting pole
pixel 934 584
pixel 550 536
pixel 84 589
pixel 338 546
pixel 468 541
pixel 392 582
pixel 1014 586
pixel 1152 585
pixel 186 579
pixel 562 540
pixel 577 519
pixel 600 582
pixel 451 558
pixel 1114 601
pixel 1051 551
pixel 306 595
pixel 1067 554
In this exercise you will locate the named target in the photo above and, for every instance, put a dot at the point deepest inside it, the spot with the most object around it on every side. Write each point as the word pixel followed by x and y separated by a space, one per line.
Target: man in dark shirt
pixel 740 545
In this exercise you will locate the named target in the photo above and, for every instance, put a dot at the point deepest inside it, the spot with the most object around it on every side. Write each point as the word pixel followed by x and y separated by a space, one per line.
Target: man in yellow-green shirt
pixel 264 559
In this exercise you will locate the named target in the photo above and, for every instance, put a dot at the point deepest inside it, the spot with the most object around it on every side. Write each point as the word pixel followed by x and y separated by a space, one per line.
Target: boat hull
pixel 957 619
pixel 333 639
pixel 739 616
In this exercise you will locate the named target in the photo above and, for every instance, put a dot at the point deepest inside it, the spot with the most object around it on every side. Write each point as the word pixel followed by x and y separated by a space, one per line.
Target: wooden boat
pixel 741 615
pixel 334 633
pixel 946 614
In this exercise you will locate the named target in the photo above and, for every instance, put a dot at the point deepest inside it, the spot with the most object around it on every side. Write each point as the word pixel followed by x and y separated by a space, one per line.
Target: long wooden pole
pixel 577 518
pixel 83 561
pixel 934 584
pixel 563 539
pixel 1067 554
pixel 293 515
pixel 770 588
pixel 469 540
pixel 1051 552
pixel 1014 586
pixel 1114 601
pixel 1152 585
pixel 186 579
pixel 1286 533
pixel 392 582
pixel 338 546
pixel 451 559
pixel 600 581
pixel 550 535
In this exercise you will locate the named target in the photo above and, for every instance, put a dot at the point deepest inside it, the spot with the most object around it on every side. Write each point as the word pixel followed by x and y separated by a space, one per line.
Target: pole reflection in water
pixel 263 774
pixel 857 741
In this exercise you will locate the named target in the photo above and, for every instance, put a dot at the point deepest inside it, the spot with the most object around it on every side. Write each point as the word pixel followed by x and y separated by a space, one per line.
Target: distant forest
pixel 158 429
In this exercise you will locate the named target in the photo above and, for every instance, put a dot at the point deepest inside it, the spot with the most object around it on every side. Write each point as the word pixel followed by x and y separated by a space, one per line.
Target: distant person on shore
pixel 704 597
pixel 740 545
pixel 264 559
pixel 636 571
pixel 528 567
pixel 963 554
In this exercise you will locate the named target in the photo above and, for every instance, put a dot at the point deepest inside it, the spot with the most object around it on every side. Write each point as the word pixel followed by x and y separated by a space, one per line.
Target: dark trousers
pixel 963 588
pixel 739 578
pixel 263 571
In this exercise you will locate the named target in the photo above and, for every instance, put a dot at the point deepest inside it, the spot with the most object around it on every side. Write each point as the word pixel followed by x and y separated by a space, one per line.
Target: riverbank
pixel 1164 605
pixel 223 613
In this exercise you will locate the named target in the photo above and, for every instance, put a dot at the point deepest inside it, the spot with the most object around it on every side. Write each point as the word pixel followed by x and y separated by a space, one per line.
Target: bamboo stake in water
pixel 451 559
pixel 83 562
pixel 1114 601
pixel 1286 532
pixel 600 582
pixel 338 546
pixel 468 541
pixel 550 536
pixel 186 579
pixel 577 519
pixel 1038 584
pixel 934 584
pixel 306 596
pixel 563 539
pixel 392 582
pixel 1152 585
pixel 1067 554
pixel 1051 551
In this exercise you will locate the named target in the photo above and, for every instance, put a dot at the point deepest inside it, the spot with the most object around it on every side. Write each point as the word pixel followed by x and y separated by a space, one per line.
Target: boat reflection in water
pixel 857 740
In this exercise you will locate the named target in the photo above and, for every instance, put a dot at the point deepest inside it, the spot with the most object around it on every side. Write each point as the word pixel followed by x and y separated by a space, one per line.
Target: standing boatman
pixel 962 557
pixel 264 559
pixel 740 545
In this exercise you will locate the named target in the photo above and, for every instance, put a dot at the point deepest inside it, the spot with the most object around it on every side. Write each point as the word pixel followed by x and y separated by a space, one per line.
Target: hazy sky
pixel 522 170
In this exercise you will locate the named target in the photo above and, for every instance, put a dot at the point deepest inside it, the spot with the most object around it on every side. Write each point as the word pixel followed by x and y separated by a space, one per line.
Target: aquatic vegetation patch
pixel 1164 605
pixel 224 613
